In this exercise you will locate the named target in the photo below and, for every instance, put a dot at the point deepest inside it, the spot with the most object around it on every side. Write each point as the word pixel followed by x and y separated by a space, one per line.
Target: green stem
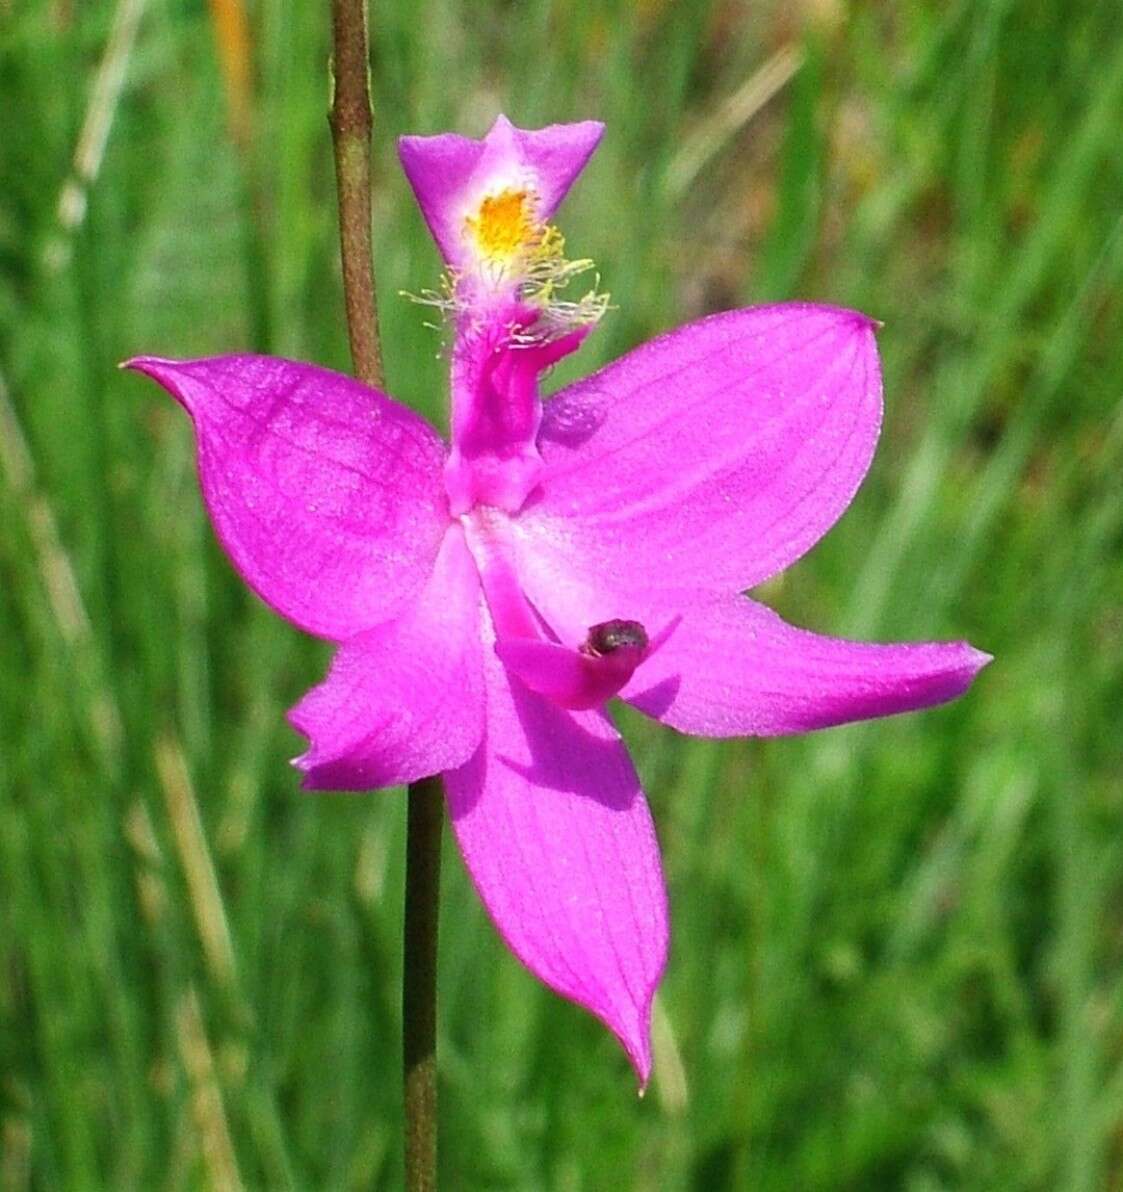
pixel 419 982
pixel 351 122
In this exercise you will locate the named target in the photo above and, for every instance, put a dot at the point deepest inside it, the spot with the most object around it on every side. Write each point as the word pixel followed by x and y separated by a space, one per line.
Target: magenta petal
pixel 715 455
pixel 405 700
pixel 327 495
pixel 557 836
pixel 732 667
pixel 450 174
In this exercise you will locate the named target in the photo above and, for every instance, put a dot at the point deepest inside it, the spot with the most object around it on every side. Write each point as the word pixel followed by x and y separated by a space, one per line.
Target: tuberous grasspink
pixel 488 596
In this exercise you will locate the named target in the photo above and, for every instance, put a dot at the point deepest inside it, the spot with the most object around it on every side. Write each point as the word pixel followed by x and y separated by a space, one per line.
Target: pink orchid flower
pixel 490 596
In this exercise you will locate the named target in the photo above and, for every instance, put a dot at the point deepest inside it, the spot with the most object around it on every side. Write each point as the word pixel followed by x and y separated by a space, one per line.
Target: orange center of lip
pixel 504 224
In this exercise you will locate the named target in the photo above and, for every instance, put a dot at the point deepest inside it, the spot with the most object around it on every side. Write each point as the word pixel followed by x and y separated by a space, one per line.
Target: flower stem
pixel 351 123
pixel 419 982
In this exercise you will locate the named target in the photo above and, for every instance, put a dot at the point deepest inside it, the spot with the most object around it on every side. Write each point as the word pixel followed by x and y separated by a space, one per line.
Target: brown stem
pixel 351 123
pixel 419 982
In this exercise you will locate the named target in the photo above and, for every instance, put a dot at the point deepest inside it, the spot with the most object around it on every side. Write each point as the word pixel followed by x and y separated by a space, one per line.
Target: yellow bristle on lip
pixel 504 224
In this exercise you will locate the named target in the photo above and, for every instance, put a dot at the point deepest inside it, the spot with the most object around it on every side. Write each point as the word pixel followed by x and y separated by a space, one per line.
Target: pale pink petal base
pixel 732 668
pixel 405 700
pixel 327 495
pixel 557 836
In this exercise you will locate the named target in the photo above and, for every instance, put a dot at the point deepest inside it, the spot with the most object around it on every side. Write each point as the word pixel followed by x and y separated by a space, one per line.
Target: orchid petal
pixel 716 454
pixel 450 174
pixel 326 494
pixel 555 831
pixel 732 667
pixel 404 700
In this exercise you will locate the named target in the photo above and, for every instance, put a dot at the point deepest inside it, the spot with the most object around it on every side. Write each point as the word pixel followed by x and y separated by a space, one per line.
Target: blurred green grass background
pixel 897 947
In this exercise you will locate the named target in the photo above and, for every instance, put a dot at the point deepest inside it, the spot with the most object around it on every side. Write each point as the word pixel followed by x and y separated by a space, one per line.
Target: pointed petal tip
pixel 580 128
pixel 962 670
pixel 149 365
pixel 164 372
pixel 634 1032
pixel 319 774
pixel 160 369
pixel 589 131
pixel 843 315
pixel 631 1025
pixel 861 320
pixel 305 766
pixel 639 1051
pixel 977 659
pixel 303 762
